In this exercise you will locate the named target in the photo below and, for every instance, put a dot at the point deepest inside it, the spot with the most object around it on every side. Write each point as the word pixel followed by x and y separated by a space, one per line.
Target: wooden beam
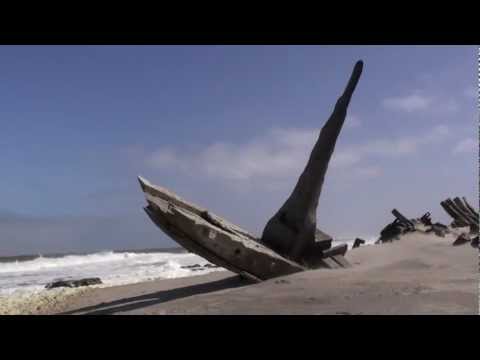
pixel 402 218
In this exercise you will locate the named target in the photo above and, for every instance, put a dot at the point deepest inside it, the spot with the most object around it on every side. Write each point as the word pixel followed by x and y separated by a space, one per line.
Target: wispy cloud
pixel 282 152
pixel 408 103
pixel 391 148
pixel 467 145
pixel 352 121
pixel 417 102
pixel 275 154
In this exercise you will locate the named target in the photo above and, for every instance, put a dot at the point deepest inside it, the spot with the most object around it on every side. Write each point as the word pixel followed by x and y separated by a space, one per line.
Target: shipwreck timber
pixel 462 213
pixel 291 241
pixel 291 231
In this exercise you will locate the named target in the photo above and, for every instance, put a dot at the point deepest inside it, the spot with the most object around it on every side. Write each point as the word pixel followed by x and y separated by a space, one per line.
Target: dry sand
pixel 38 302
pixel 419 274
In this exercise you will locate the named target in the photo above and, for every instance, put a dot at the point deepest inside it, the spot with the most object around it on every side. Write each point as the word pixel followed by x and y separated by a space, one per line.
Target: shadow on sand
pixel 138 302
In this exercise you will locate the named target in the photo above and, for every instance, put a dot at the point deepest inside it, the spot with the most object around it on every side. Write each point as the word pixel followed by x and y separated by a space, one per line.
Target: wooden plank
pixel 402 218
pixel 336 250
pixel 330 264
pixel 474 212
pixel 174 199
pixel 340 260
pixel 322 236
pixel 462 206
pixel 465 211
pixel 234 252
pixel 463 217
pixel 183 240
pixel 446 205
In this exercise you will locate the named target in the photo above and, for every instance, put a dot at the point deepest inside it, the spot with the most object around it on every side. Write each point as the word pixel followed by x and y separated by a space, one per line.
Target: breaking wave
pixel 113 268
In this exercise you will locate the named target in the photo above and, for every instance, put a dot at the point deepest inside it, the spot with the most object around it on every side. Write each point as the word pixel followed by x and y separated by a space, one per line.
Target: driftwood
pixel 290 241
pixel 402 219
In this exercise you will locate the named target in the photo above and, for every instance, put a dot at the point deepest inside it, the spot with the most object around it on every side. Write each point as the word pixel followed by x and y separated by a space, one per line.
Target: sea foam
pixel 114 268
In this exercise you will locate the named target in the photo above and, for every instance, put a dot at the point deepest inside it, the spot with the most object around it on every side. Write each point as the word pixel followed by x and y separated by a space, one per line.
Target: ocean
pixel 30 273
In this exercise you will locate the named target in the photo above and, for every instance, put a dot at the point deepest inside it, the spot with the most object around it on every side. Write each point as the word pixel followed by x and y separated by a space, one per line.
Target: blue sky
pixel 227 127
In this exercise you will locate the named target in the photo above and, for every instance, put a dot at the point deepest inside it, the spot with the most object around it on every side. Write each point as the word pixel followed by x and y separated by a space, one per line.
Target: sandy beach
pixel 419 274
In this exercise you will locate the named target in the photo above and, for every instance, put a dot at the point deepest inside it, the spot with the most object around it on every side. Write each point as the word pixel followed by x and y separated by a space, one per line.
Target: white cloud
pixel 467 145
pixel 409 103
pixel 401 146
pixel 274 155
pixel 415 102
pixel 282 153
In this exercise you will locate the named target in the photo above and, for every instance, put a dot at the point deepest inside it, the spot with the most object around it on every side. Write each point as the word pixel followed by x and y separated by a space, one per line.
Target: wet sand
pixel 419 274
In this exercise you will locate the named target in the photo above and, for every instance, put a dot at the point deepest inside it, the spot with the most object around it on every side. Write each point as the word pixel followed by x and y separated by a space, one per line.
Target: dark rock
pixel 358 242
pixel 210 266
pixel 73 283
pixel 461 239
pixel 191 266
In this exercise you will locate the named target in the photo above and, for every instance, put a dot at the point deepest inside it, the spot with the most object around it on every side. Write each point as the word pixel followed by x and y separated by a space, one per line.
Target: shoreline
pixel 418 274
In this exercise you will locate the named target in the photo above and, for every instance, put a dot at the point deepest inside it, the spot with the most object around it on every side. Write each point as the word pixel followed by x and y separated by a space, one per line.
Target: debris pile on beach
pixel 465 224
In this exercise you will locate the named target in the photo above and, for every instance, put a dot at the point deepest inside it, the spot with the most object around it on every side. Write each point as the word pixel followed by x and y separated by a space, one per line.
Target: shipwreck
pixel 464 227
pixel 290 242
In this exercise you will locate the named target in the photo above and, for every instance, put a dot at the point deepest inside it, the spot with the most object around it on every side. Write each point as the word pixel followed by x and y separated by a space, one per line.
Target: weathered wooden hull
pixel 212 237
